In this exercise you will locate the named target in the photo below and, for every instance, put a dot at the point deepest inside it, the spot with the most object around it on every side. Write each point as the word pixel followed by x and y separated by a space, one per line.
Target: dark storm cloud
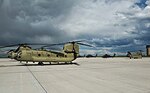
pixel 53 21
pixel 1 1
pixel 37 8
pixel 143 31
pixel 32 20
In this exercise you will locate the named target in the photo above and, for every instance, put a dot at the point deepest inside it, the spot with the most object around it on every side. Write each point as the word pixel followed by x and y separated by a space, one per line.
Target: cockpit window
pixel 17 49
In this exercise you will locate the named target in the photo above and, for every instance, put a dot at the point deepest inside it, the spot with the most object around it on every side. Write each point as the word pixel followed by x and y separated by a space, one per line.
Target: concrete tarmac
pixel 90 75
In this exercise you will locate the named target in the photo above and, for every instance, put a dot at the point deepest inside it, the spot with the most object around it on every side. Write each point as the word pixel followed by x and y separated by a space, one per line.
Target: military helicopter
pixel 135 54
pixel 69 53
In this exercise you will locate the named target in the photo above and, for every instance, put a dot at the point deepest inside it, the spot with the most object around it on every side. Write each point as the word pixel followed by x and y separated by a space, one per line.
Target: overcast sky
pixel 124 24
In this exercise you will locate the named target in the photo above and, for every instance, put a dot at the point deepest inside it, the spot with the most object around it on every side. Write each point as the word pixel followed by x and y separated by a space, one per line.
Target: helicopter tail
pixel 71 48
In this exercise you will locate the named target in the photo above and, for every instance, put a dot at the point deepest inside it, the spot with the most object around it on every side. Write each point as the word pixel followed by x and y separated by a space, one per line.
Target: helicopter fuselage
pixel 68 54
pixel 44 56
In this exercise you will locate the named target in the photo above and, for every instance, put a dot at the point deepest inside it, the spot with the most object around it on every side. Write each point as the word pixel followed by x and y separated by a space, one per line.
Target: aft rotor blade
pixel 76 41
pixel 52 45
pixel 85 44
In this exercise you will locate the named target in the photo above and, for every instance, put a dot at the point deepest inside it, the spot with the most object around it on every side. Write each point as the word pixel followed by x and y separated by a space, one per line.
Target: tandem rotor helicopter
pixel 25 53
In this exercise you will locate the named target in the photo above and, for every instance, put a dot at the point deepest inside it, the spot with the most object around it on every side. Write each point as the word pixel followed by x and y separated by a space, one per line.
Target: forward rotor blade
pixel 13 45
pixel 35 44
pixel 9 46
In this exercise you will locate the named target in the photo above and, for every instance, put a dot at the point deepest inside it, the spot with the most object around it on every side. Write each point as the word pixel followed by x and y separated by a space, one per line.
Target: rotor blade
pixel 76 41
pixel 52 45
pixel 35 44
pixel 85 44
pixel 46 45
pixel 13 45
pixel 9 45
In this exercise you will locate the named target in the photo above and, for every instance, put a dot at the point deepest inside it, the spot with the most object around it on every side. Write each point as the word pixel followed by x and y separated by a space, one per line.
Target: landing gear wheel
pixel 40 63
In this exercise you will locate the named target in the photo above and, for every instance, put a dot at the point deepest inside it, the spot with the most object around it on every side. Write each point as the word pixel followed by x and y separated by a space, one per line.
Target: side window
pixel 48 55
pixel 39 55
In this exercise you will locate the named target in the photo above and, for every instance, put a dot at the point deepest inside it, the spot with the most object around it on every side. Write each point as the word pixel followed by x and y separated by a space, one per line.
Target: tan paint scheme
pixel 66 55
pixel 136 55
pixel 13 54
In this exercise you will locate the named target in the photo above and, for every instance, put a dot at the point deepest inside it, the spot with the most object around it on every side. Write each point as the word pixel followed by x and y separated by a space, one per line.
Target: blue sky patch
pixel 142 4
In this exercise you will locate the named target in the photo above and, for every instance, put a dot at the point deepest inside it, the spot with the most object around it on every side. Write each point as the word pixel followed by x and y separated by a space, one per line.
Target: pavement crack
pixel 37 80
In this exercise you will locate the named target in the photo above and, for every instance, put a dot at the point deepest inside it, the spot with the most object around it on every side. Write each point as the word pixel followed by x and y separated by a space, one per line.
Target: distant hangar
pixel 148 50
